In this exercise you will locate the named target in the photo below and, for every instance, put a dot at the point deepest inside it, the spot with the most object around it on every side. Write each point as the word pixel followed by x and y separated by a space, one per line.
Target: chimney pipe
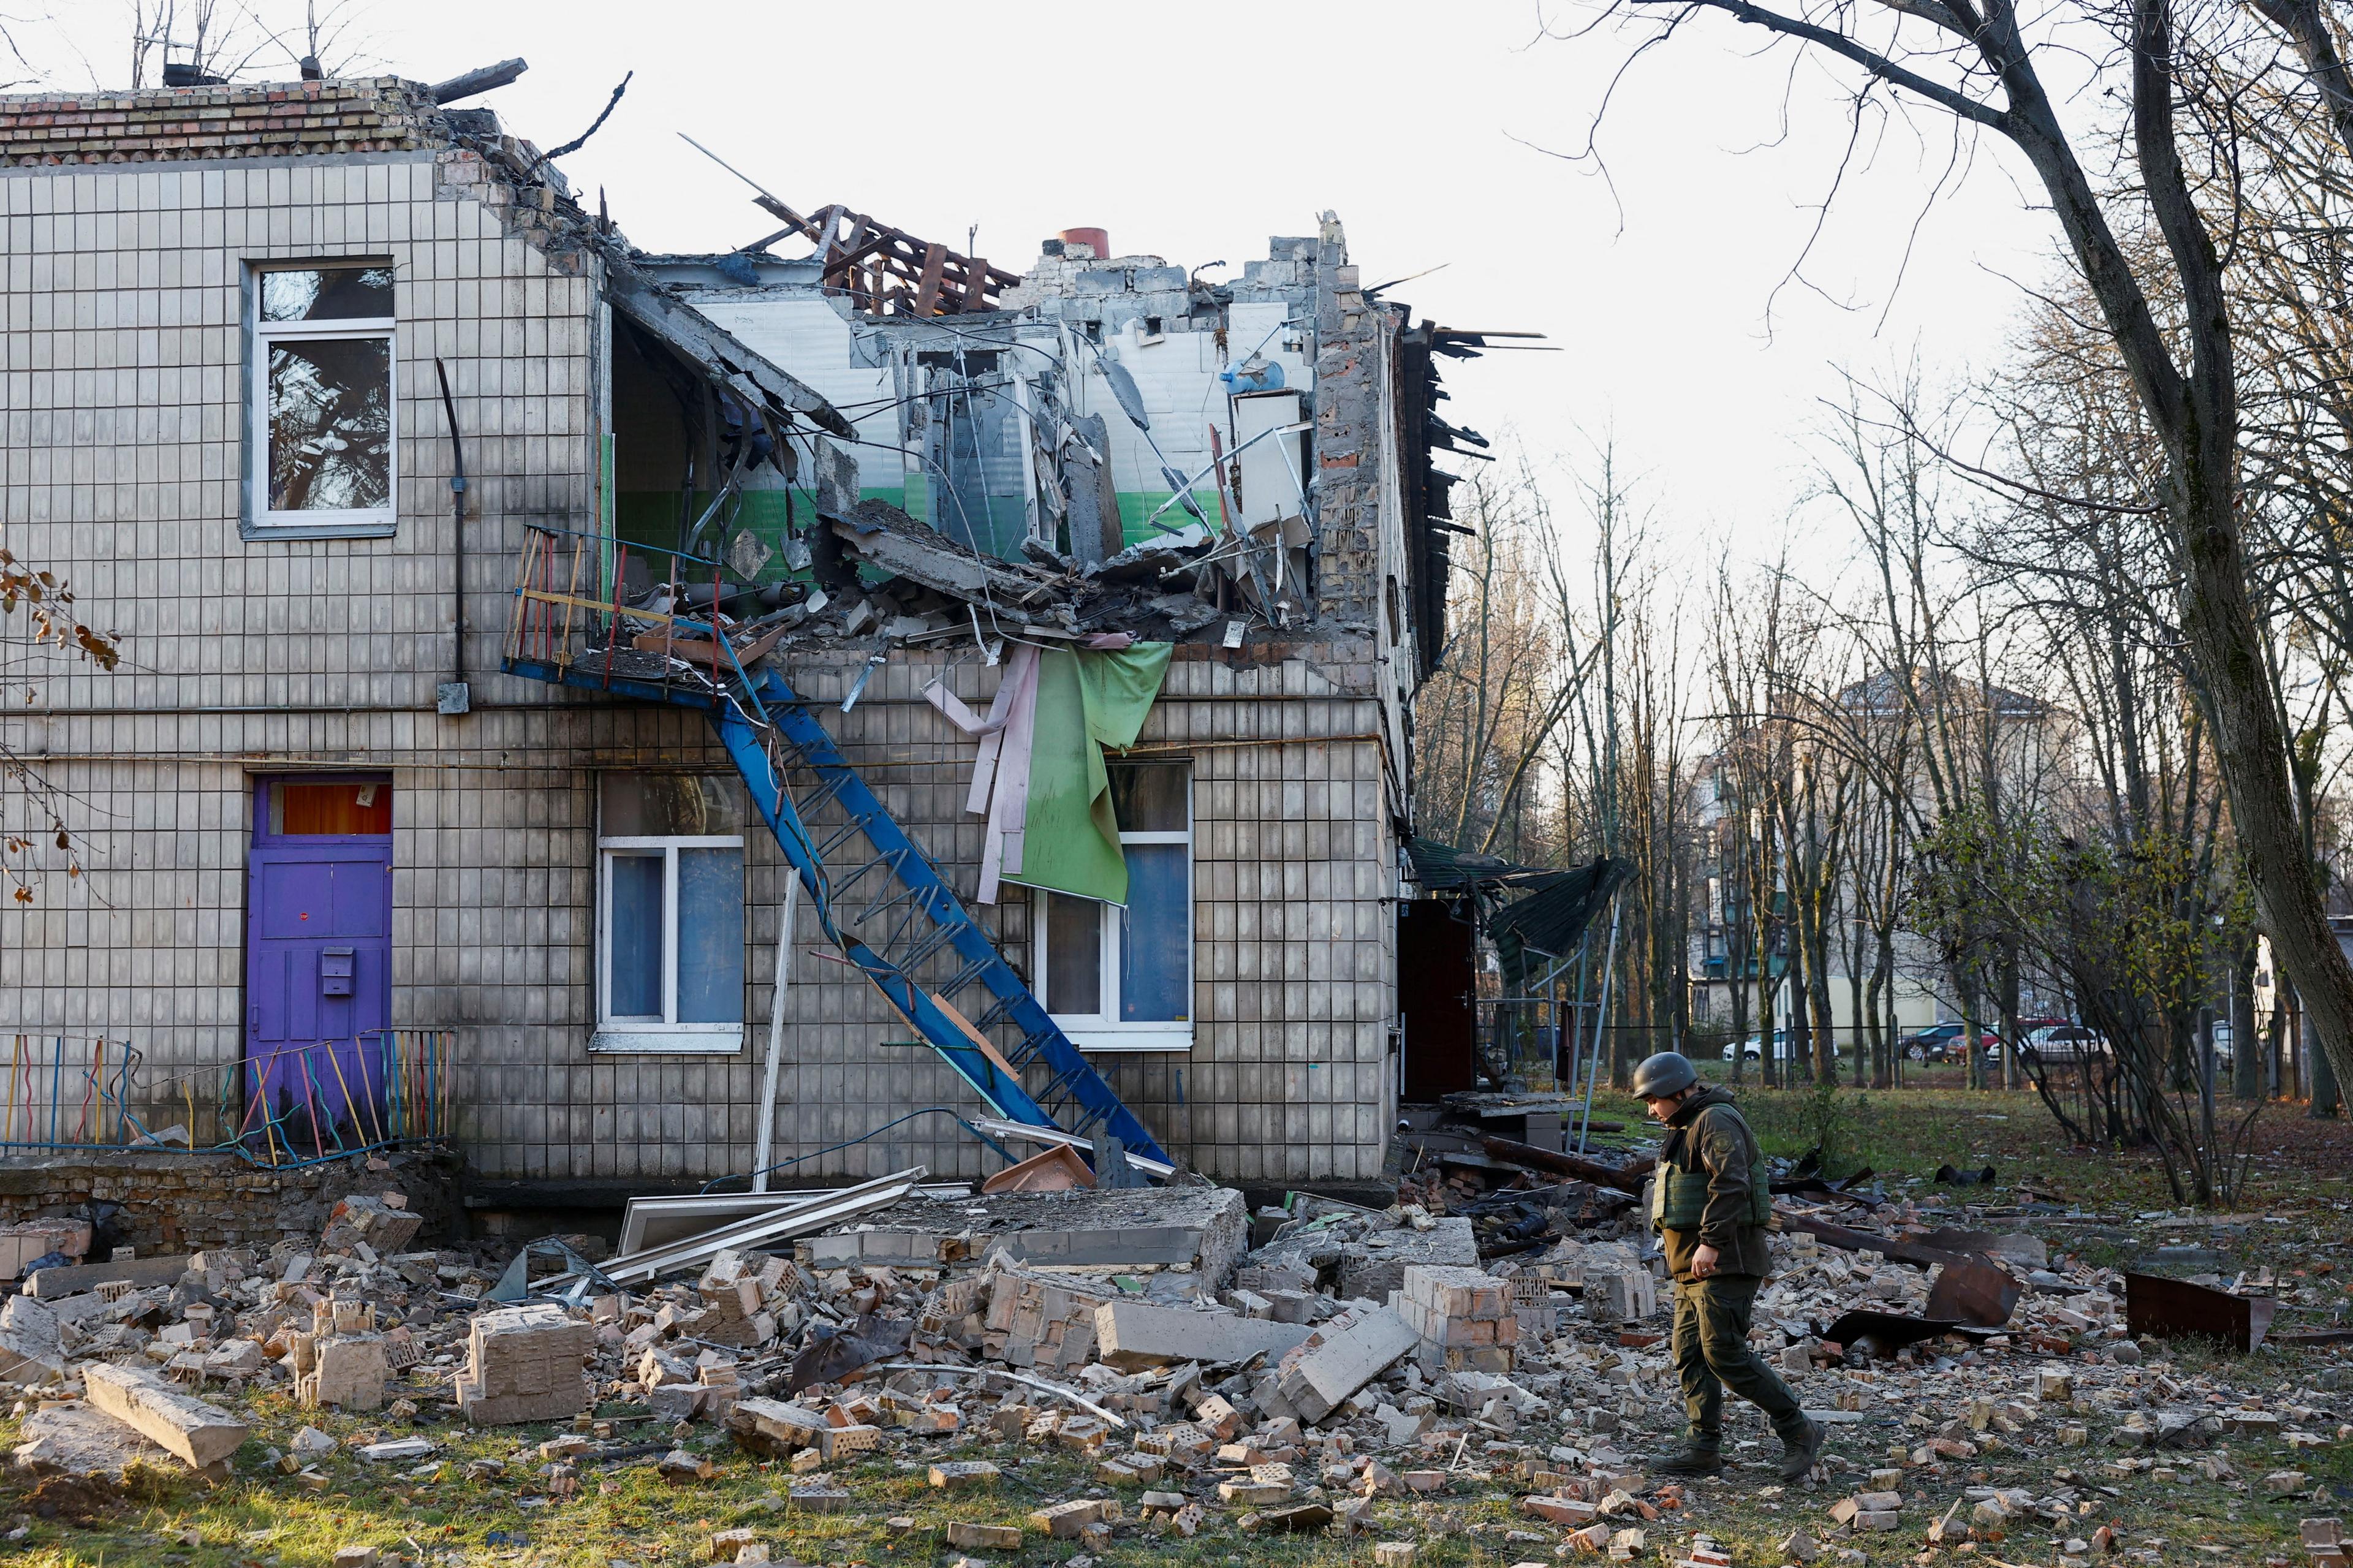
pixel 1095 239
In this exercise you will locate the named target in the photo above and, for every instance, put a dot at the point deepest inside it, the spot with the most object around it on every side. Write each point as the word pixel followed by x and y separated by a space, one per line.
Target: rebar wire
pixel 851 1143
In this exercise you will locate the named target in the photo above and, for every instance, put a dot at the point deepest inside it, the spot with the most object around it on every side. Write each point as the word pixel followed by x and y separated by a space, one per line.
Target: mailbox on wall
pixel 338 968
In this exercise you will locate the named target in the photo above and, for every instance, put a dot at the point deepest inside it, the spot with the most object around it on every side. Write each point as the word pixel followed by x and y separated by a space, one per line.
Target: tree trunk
pixel 2251 746
pixel 1972 1055
pixel 2246 1058
pixel 1735 964
pixel 2005 998
pixel 1825 1029
pixel 1857 1008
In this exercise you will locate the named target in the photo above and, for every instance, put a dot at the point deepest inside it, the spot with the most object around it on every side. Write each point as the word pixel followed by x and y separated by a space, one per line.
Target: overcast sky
pixel 1194 133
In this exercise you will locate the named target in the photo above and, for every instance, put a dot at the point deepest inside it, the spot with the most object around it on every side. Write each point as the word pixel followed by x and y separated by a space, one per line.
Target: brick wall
pixel 377 114
pixel 181 1202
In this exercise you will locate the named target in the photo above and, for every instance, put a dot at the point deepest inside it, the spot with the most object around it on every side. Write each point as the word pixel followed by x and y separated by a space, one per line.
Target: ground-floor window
pixel 669 900
pixel 1122 978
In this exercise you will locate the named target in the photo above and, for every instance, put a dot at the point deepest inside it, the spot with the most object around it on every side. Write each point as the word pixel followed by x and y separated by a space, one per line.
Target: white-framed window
pixel 669 912
pixel 320 445
pixel 1121 979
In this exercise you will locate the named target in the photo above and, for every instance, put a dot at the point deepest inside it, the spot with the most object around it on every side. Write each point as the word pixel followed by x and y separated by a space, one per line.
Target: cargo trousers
pixel 1711 1353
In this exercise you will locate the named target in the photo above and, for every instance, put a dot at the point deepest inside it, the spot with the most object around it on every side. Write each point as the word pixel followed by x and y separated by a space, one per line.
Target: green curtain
pixel 1086 701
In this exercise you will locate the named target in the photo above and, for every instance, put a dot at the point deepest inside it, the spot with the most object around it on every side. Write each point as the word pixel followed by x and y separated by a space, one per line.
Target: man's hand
pixel 1704 1261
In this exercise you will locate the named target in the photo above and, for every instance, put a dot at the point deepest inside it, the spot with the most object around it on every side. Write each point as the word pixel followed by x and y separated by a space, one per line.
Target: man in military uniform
pixel 1711 1208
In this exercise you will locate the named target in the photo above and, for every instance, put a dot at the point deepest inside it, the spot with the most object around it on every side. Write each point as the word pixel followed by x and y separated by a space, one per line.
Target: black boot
pixel 1698 1456
pixel 1801 1448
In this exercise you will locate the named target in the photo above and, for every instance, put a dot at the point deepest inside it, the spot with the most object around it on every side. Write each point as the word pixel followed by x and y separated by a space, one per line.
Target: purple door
pixel 318 945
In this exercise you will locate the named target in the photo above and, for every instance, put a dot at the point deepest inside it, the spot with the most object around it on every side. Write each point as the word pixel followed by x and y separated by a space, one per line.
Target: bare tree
pixel 33 810
pixel 1509 674
pixel 1981 62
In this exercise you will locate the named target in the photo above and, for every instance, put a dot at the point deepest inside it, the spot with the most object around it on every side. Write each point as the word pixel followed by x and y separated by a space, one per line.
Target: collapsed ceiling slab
pixel 702 341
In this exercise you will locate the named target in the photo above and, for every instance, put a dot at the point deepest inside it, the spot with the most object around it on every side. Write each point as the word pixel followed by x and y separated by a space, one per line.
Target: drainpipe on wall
pixel 455 695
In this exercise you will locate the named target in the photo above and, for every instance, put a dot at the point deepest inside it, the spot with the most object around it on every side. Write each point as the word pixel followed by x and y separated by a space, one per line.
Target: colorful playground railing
pixel 295 1102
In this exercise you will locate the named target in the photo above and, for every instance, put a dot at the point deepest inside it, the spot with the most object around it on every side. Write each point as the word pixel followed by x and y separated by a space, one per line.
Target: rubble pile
pixel 1354 1365
pixel 877 576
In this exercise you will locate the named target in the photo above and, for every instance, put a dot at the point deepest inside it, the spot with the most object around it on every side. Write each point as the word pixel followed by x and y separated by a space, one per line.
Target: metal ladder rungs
pixel 839 837
pixel 965 978
pixel 903 895
pixel 924 946
pixel 844 884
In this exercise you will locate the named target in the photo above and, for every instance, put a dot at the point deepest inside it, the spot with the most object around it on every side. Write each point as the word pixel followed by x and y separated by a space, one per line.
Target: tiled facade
pixel 120 470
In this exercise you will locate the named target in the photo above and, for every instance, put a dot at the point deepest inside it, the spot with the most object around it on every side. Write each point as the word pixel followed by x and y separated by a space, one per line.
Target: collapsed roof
pixel 887 438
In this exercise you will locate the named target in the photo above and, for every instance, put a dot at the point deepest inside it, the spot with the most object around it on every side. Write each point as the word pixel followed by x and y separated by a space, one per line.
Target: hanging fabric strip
pixel 1000 774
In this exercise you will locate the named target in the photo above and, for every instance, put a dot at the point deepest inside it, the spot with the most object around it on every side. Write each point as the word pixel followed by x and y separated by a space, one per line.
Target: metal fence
pixel 294 1103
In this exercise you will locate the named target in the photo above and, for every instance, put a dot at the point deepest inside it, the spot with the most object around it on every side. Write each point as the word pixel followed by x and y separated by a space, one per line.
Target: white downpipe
pixel 767 1144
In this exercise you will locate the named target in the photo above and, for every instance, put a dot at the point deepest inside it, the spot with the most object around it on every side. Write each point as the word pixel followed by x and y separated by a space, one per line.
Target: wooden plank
pixel 204 1435
pixel 806 228
pixel 1627 1178
pixel 546 596
pixel 704 648
pixel 975 284
pixel 980 1042
pixel 1901 1251
pixel 927 286
pixel 49 1284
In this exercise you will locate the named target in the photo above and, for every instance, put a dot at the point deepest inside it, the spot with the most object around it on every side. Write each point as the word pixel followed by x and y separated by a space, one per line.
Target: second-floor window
pixel 320 416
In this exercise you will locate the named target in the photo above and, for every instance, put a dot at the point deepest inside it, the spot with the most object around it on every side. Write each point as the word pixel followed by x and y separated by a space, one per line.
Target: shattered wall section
pixel 1351 389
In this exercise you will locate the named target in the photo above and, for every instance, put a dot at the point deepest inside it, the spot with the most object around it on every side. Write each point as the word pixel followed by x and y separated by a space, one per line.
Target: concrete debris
pixel 1195 1383
pixel 1130 1335
pixel 523 1364
pixel 78 1439
pixel 203 1435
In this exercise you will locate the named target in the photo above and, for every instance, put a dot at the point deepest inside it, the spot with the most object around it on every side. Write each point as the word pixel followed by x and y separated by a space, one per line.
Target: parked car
pixel 2059 1045
pixel 1942 1043
pixel 1753 1048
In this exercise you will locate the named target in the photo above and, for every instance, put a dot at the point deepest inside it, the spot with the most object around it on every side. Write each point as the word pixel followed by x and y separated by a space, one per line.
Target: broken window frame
pixel 1105 1030
pixel 259 519
pixel 641 1034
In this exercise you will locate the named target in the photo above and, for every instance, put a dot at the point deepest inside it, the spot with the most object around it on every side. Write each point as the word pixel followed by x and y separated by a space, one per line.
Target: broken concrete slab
pixel 771 1426
pixel 1131 1335
pixel 1197 1230
pixel 138 1271
pixel 347 1373
pixel 973 1537
pixel 1371 1268
pixel 1351 1353
pixel 25 1243
pixel 383 1223
pixel 30 1346
pixel 74 1437
pixel 202 1434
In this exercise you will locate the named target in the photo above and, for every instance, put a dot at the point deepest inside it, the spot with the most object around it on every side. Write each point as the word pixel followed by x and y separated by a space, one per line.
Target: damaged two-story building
pixel 519 628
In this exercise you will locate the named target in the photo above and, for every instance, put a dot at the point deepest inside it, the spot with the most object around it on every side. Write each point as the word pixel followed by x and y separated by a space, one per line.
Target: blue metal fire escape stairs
pixel 881 900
